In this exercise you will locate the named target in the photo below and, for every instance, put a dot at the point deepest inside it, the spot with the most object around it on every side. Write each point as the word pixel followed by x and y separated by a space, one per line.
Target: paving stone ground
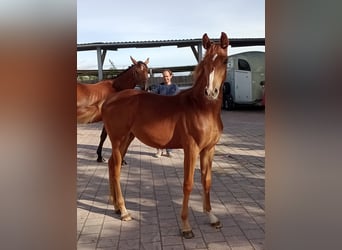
pixel 152 188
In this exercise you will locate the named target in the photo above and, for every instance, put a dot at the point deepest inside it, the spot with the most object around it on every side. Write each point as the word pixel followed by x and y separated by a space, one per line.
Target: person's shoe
pixel 169 154
pixel 159 153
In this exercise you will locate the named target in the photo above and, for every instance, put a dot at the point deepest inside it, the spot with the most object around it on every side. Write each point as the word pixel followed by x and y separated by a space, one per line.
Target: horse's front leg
pixel 114 164
pixel 190 157
pixel 206 159
pixel 103 137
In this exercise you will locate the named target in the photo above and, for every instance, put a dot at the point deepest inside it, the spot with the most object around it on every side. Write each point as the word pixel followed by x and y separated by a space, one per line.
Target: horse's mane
pixel 122 72
pixel 199 69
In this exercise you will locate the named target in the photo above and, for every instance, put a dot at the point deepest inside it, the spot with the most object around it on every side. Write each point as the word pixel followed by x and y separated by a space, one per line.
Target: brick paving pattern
pixel 152 188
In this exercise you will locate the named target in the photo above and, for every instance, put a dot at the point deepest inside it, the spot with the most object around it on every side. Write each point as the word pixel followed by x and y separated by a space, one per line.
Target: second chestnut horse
pixel 190 120
pixel 90 97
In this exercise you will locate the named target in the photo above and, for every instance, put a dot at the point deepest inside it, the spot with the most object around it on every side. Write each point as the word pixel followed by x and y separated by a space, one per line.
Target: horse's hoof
pixel 217 225
pixel 188 234
pixel 100 159
pixel 126 217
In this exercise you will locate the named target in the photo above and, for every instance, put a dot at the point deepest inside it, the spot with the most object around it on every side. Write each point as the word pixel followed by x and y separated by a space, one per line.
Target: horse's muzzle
pixel 212 94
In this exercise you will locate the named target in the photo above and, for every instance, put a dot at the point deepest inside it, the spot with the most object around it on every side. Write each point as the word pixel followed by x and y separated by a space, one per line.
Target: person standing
pixel 166 88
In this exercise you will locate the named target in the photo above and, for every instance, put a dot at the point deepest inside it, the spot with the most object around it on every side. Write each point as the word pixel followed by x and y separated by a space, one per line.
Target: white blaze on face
pixel 212 76
pixel 211 80
pixel 211 91
pixel 214 57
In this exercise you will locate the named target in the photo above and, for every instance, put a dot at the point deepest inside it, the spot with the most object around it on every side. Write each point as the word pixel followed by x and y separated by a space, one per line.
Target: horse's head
pixel 141 72
pixel 214 64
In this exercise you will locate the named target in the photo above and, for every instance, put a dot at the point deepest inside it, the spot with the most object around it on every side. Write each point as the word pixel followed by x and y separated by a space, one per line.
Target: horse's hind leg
pixel 125 146
pixel 206 159
pixel 103 137
pixel 114 180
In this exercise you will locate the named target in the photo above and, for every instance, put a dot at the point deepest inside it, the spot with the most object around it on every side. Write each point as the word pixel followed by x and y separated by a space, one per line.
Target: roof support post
pixel 103 55
pixel 99 63
pixel 200 52
pixel 197 53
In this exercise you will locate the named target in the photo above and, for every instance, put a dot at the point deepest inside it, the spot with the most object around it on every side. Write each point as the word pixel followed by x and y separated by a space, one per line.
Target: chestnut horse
pixel 90 97
pixel 190 120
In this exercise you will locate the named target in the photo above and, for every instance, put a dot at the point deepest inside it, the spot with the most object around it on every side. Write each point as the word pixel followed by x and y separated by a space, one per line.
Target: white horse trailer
pixel 245 80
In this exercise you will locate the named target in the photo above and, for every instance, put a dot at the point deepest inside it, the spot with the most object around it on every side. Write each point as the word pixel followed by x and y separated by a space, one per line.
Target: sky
pixel 124 21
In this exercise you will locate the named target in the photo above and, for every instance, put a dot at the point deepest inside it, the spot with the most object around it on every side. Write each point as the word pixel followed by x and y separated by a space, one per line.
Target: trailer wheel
pixel 228 102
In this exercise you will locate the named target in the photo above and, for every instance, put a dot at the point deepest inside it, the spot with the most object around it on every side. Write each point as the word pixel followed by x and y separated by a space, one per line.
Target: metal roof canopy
pixel 194 44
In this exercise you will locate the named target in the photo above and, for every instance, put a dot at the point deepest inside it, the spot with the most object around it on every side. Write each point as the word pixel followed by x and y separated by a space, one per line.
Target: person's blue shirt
pixel 163 89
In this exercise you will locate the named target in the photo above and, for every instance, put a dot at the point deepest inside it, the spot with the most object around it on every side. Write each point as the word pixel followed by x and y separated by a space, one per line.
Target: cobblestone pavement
pixel 152 188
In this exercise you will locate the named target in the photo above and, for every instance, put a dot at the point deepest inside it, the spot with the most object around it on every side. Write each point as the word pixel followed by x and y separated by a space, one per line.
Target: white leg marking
pixel 212 218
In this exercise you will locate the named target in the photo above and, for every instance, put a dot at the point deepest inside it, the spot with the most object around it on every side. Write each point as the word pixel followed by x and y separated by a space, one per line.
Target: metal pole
pixel 200 52
pixel 99 64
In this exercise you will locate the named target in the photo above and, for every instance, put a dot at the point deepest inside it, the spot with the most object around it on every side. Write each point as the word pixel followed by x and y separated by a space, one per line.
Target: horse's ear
pixel 224 40
pixel 133 60
pixel 147 60
pixel 206 41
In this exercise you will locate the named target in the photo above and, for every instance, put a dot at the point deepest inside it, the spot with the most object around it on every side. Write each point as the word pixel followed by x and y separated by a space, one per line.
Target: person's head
pixel 167 75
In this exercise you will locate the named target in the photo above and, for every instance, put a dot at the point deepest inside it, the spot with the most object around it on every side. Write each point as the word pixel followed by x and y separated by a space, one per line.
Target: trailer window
pixel 243 65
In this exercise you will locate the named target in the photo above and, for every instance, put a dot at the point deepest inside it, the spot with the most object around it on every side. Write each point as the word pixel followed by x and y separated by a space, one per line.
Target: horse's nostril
pixel 206 91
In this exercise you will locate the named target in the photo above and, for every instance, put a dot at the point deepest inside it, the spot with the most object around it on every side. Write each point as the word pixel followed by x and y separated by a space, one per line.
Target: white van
pixel 245 80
